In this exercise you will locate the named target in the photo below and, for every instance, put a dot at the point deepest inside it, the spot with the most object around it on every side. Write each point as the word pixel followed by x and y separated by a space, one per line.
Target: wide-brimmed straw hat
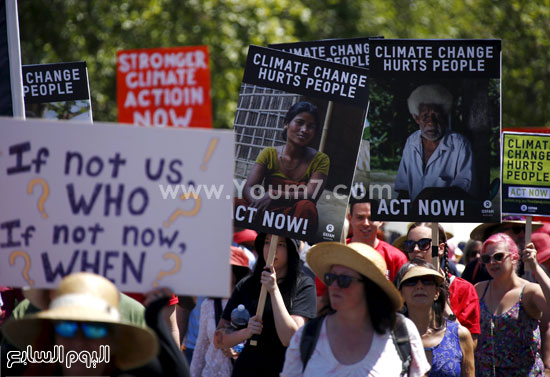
pixel 415 271
pixel 357 256
pixel 483 231
pixel 86 297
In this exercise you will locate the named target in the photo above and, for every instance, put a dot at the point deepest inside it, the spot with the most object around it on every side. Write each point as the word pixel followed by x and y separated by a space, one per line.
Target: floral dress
pixel 509 343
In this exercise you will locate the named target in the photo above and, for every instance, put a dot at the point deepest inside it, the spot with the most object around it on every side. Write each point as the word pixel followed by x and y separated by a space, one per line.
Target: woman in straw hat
pixel 511 307
pixel 356 338
pixel 463 299
pixel 83 319
pixel 290 302
pixel 448 345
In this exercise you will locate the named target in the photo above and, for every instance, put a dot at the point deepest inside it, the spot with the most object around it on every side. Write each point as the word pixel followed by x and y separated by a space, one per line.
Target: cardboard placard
pixel 435 157
pixel 526 173
pixel 57 91
pixel 273 82
pixel 164 87
pixel 140 206
pixel 348 51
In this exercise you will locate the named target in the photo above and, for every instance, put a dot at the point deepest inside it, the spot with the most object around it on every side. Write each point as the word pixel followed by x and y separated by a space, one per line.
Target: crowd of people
pixel 359 308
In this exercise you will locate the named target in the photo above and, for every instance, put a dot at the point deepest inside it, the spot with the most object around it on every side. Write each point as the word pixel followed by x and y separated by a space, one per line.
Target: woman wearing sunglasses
pixel 86 337
pixel 463 299
pixel 509 344
pixel 289 303
pixel 355 339
pixel 448 345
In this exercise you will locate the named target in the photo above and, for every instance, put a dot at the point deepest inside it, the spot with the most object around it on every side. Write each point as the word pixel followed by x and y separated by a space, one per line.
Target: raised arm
pixel 536 295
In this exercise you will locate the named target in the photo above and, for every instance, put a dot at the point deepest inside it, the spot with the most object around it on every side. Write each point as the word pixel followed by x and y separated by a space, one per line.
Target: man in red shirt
pixel 365 230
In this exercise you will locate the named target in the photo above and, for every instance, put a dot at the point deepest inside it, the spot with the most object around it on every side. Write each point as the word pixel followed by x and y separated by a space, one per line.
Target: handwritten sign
pixel 164 87
pixel 139 206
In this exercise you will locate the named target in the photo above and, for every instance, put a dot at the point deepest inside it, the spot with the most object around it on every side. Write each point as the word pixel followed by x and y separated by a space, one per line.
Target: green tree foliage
pixel 71 30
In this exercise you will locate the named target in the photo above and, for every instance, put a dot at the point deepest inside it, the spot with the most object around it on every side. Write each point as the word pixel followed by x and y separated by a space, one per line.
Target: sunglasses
pixel 497 257
pixel 423 244
pixel 423 279
pixel 91 330
pixel 343 281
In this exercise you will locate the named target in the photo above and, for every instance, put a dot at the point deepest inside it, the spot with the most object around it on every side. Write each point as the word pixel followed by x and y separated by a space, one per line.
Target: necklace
pixel 282 161
pixel 491 330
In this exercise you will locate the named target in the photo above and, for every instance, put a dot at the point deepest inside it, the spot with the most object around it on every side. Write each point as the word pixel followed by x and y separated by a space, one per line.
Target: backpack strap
pixel 310 334
pixel 400 337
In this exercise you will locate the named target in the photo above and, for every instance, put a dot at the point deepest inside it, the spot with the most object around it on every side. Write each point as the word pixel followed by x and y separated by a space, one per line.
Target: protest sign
pixel 164 87
pixel 293 176
pixel 434 129
pixel 526 173
pixel 142 207
pixel 350 51
pixel 57 91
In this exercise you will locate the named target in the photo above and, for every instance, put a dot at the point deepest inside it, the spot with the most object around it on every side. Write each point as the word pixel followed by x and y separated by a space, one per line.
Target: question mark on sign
pixel 176 268
pixel 180 212
pixel 43 197
pixel 19 253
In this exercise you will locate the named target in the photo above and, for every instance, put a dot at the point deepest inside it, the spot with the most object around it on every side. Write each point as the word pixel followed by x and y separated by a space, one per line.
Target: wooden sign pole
pixel 528 231
pixel 263 292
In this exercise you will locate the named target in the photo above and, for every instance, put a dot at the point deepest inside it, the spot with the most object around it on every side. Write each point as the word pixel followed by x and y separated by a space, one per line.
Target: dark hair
pixel 381 311
pixel 292 272
pixel 353 201
pixel 442 239
pixel 438 305
pixel 240 272
pixel 297 108
pixel 470 252
pixel 380 307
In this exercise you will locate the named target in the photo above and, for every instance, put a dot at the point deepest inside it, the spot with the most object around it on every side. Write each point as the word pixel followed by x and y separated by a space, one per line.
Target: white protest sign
pixel 142 207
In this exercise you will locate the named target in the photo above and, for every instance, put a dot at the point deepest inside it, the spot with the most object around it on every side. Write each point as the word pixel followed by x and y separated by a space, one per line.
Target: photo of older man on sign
pixel 434 156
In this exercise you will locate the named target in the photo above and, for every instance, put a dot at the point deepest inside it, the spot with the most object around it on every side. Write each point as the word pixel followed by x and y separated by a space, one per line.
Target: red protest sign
pixel 164 87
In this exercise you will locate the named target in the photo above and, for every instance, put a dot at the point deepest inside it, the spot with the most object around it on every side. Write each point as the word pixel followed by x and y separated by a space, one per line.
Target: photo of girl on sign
pixel 290 178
